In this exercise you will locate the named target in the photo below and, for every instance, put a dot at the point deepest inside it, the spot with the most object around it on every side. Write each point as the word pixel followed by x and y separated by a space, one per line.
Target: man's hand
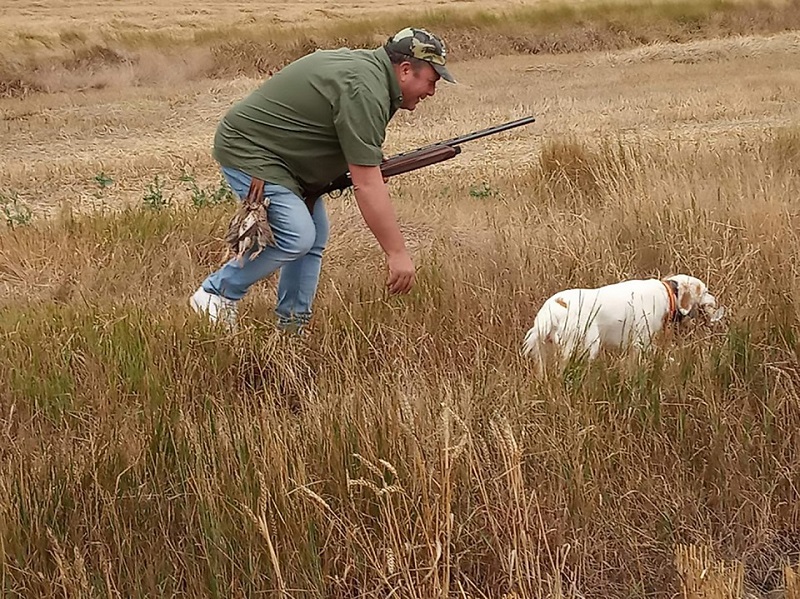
pixel 401 273
pixel 373 200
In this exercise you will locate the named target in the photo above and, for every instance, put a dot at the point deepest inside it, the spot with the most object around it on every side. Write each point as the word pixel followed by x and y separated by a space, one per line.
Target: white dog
pixel 622 315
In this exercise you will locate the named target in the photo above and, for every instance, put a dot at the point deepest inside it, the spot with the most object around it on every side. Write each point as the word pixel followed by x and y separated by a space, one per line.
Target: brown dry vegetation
pixel 143 45
pixel 404 449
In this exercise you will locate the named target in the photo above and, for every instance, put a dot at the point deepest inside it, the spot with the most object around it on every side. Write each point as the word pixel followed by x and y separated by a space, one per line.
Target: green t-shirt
pixel 302 126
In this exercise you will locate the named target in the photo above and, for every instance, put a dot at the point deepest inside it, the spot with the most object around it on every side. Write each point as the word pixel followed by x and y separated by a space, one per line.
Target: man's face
pixel 416 85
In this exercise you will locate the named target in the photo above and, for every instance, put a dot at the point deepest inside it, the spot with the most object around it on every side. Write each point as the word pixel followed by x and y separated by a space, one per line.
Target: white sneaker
pixel 219 310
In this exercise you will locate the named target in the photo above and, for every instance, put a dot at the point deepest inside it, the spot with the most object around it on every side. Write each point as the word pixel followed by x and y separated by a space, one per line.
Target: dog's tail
pixel 530 344
pixel 537 335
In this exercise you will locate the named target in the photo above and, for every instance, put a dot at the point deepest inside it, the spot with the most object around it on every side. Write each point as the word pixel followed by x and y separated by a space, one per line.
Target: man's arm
pixel 373 201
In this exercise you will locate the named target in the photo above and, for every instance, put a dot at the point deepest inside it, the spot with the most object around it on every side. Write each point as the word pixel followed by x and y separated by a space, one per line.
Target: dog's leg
pixel 568 346
pixel 592 343
pixel 539 364
pixel 579 345
pixel 640 346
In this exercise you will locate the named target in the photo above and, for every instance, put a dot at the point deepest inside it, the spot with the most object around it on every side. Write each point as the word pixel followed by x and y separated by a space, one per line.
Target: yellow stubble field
pixel 405 448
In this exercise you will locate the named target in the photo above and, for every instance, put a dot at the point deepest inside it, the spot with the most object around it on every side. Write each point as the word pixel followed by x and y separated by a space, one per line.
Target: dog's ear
pixel 689 296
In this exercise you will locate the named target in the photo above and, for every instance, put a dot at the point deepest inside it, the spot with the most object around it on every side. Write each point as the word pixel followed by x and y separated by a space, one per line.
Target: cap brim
pixel 443 72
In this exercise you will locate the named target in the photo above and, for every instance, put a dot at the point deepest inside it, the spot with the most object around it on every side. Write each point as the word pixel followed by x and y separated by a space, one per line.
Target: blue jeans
pixel 300 239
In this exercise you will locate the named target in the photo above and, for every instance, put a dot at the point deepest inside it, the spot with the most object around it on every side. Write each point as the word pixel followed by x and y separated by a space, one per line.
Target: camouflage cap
pixel 418 43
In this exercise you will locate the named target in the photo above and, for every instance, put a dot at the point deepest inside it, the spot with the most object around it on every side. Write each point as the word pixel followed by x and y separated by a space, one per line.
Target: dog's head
pixel 693 298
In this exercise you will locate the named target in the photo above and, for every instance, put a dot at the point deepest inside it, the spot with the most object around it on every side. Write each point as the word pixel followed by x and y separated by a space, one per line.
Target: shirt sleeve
pixel 360 123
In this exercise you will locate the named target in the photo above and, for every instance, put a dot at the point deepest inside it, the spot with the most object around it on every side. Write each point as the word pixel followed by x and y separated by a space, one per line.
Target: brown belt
pixel 256 192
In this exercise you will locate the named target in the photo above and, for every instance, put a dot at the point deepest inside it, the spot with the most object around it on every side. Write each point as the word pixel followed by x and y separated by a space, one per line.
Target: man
pixel 322 115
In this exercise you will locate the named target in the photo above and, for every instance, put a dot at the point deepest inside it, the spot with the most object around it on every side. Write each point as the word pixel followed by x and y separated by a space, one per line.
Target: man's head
pixel 419 59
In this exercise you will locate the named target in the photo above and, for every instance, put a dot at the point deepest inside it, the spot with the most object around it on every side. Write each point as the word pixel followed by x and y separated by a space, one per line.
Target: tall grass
pixel 404 448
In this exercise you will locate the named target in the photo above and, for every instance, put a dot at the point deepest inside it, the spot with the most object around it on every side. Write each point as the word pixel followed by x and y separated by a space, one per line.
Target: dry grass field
pixel 404 449
pixel 24 16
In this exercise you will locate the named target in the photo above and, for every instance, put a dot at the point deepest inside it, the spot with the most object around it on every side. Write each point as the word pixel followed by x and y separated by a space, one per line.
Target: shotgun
pixel 416 159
